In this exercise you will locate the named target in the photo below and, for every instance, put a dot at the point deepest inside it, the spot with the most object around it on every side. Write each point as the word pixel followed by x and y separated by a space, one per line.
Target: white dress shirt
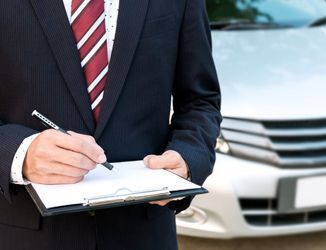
pixel 111 8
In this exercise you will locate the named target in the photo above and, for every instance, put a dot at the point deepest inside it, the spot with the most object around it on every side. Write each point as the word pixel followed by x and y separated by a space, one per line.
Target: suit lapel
pixel 131 18
pixel 53 19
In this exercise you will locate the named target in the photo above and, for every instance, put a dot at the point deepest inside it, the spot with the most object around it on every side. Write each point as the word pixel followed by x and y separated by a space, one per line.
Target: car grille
pixel 283 143
pixel 263 213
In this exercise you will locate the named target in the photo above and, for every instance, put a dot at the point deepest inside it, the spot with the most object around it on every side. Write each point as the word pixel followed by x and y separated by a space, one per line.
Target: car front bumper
pixel 223 213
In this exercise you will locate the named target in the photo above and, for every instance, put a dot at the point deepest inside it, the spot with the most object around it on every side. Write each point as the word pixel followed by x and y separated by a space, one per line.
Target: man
pixel 105 70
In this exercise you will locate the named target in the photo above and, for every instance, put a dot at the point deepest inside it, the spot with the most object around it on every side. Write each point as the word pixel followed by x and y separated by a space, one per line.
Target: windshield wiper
pixel 223 23
pixel 318 22
pixel 244 24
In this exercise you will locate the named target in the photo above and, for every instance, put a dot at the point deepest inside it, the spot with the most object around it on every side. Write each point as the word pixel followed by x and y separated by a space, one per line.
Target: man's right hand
pixel 58 158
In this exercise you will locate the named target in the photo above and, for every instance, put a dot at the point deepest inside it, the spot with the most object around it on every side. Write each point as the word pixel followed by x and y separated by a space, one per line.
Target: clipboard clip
pixel 127 195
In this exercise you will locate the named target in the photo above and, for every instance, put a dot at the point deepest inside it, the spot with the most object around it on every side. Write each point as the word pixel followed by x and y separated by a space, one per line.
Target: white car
pixel 270 171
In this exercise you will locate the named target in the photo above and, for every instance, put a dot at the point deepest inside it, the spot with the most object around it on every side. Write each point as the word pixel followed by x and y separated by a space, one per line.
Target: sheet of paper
pixel 129 177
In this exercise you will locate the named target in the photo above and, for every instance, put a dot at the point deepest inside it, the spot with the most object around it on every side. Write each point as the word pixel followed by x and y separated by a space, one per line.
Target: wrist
pixel 16 175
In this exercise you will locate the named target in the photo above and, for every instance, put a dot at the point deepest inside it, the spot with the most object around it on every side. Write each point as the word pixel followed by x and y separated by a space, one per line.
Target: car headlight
pixel 222 146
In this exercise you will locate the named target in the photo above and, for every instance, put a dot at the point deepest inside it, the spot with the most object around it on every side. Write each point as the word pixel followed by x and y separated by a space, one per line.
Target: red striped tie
pixel 88 25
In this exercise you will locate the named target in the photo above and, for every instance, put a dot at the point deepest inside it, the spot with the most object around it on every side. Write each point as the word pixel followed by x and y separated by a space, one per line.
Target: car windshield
pixel 259 13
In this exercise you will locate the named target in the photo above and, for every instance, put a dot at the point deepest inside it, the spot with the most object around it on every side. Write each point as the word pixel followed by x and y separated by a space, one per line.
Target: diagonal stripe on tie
pixel 97 100
pixel 75 5
pixel 92 41
pixel 94 50
pixel 79 10
pixel 96 64
pixel 97 111
pixel 84 21
pixel 88 25
pixel 97 90
pixel 102 75
pixel 89 33
pixel 96 107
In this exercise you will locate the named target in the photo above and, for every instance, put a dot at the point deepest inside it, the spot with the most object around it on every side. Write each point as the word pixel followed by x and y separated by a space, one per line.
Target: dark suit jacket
pixel 162 47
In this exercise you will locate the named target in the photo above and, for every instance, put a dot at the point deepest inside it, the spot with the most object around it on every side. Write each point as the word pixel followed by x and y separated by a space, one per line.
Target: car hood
pixel 272 74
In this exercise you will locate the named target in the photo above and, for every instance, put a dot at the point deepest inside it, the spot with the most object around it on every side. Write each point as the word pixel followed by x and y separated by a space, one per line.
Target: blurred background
pixel 268 187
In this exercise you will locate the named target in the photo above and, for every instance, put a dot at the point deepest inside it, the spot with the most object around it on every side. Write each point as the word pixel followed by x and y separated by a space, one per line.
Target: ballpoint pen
pixel 48 123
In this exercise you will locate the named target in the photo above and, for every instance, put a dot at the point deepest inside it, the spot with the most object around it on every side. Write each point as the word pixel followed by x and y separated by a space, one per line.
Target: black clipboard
pixel 95 203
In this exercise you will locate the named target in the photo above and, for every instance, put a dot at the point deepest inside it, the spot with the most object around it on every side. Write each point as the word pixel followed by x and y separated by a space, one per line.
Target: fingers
pixel 73 159
pixel 55 179
pixel 169 160
pixel 82 144
pixel 45 167
pixel 63 170
pixel 160 203
pixel 88 138
pixel 56 158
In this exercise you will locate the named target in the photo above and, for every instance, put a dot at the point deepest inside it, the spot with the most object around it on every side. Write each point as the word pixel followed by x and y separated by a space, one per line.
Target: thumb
pixel 147 158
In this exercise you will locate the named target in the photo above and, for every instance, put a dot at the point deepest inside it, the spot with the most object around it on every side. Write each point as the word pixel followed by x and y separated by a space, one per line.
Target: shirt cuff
pixel 16 175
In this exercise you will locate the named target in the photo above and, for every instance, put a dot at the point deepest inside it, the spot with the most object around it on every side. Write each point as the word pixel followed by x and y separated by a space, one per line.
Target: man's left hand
pixel 171 161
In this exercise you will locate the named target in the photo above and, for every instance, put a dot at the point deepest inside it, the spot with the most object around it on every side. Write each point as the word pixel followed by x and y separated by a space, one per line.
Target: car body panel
pixel 272 74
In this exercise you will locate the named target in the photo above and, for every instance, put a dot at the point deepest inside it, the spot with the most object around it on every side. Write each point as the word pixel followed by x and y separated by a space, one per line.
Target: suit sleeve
pixel 11 136
pixel 196 98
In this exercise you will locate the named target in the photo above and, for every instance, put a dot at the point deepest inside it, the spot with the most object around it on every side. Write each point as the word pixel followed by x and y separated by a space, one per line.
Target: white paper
pixel 129 177
pixel 309 192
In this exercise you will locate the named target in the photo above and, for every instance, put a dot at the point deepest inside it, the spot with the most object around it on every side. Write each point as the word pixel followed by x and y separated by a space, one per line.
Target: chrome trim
pixel 278 146
pixel 295 132
pixel 256 127
pixel 258 212
pixel 242 125
pixel 252 152
pixel 265 142
pixel 316 160
pixel 299 146
pixel 245 138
